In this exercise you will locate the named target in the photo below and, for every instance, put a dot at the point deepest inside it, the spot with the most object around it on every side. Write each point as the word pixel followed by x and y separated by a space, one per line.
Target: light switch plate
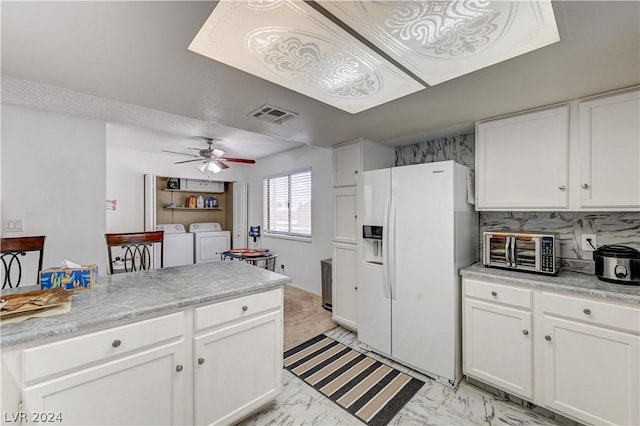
pixel 585 244
pixel 14 225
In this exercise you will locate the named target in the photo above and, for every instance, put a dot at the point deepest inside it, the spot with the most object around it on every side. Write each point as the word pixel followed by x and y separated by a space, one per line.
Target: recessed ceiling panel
pixel 441 40
pixel 289 43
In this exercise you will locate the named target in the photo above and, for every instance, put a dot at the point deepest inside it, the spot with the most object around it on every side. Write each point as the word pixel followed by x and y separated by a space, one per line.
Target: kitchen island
pixel 196 344
pixel 569 343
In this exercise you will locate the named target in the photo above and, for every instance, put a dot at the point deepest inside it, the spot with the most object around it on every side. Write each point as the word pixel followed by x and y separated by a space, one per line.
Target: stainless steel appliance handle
pixel 385 250
pixel 537 241
pixel 507 252
pixel 513 252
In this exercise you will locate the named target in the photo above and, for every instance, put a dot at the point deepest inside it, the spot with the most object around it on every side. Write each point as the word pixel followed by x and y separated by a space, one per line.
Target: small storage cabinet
pixel 590 359
pixel 521 161
pixel 610 152
pixel 497 336
pixel 349 160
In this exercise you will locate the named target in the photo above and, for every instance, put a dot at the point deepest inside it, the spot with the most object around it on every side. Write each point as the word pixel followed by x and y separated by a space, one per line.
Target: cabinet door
pixel 213 187
pixel 521 161
pixel 193 185
pixel 610 152
pixel 344 281
pixel 345 215
pixel 497 346
pixel 346 164
pixel 145 388
pixel 238 368
pixel 591 373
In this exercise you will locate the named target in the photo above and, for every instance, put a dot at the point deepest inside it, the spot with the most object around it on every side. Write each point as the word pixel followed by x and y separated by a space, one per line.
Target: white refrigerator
pixel 409 302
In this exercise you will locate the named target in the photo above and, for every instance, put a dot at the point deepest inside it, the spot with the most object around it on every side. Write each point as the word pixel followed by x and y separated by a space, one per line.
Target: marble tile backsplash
pixel 609 227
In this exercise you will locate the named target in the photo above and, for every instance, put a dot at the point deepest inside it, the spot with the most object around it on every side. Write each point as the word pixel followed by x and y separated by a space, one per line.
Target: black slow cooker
pixel 617 264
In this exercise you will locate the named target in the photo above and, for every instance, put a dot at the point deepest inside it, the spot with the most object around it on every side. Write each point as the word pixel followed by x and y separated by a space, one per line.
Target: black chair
pixel 136 246
pixel 11 249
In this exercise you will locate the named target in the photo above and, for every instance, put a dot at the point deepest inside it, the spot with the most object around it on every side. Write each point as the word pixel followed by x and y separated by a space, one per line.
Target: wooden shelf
pixel 191 190
pixel 194 208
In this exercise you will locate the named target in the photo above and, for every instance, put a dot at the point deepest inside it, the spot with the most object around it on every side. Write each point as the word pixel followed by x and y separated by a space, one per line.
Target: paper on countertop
pixel 471 193
pixel 69 264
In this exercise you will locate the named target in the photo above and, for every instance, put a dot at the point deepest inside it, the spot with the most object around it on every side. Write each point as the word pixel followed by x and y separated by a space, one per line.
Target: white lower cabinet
pixel 141 389
pixel 239 368
pixel 580 356
pixel 498 348
pixel 590 355
pixel 344 281
pixel 212 364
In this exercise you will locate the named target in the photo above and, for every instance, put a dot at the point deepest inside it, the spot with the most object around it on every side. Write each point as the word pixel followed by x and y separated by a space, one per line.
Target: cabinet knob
pixel 587 311
pixel 585 186
pixel 525 332
pixel 244 308
pixel 200 361
pixel 356 172
pixel 356 288
pixel 116 343
pixel 494 294
pixel 547 338
pixel 562 187
pixel 179 368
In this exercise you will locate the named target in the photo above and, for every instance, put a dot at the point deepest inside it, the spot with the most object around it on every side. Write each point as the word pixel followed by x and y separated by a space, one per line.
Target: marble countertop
pixel 124 297
pixel 564 281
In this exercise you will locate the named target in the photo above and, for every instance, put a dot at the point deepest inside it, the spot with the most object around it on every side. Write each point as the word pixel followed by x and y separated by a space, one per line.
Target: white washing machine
pixel 209 241
pixel 178 245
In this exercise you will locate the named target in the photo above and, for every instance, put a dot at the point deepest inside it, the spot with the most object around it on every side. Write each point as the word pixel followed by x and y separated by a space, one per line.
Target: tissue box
pixel 69 278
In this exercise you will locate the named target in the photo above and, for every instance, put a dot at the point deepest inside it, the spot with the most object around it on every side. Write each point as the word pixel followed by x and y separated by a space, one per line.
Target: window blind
pixel 288 204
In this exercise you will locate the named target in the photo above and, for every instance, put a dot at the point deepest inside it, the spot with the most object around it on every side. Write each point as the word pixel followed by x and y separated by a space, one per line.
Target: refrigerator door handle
pixel 385 250
pixel 391 251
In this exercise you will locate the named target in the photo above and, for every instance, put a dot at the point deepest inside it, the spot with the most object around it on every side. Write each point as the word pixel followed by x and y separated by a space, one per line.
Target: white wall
pixel 126 169
pixel 301 259
pixel 53 175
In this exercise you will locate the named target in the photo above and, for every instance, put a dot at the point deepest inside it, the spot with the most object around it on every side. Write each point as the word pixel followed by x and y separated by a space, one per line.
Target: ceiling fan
pixel 212 159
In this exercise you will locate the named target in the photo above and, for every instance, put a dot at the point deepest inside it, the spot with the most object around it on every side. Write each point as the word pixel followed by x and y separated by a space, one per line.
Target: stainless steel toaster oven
pixel 533 252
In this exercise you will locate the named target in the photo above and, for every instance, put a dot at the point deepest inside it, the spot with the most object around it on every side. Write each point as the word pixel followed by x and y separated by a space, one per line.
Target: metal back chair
pixel 137 249
pixel 11 249
pixel 267 262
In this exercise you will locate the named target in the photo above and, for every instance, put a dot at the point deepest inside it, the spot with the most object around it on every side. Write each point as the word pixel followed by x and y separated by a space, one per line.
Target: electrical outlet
pixel 586 239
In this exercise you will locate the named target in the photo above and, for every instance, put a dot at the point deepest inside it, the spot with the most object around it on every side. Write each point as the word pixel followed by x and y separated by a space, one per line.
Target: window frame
pixel 288 235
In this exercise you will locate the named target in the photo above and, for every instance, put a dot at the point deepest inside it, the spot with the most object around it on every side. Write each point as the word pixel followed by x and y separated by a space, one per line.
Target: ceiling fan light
pixel 213 166
pixel 203 166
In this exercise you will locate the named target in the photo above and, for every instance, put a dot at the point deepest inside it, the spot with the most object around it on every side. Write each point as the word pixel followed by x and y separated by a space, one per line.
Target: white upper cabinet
pixel 521 161
pixel 353 157
pixel 610 152
pixel 584 155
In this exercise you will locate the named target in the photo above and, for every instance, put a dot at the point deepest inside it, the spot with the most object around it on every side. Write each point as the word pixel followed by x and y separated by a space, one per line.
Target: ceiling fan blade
pixel 220 164
pixel 188 161
pixel 180 153
pixel 238 160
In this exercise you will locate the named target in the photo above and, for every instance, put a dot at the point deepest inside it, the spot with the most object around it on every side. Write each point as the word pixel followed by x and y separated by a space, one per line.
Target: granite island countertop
pixel 565 281
pixel 121 298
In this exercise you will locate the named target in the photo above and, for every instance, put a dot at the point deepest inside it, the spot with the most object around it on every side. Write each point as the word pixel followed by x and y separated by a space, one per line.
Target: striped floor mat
pixel 366 388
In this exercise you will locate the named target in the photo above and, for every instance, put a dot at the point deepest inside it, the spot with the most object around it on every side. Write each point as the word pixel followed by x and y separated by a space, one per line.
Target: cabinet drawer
pixel 76 352
pixel 591 311
pixel 242 307
pixel 514 296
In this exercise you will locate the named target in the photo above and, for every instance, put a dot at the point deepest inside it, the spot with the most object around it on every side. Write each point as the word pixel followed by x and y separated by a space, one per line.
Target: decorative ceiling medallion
pixel 450 28
pixel 441 40
pixel 301 50
pixel 339 73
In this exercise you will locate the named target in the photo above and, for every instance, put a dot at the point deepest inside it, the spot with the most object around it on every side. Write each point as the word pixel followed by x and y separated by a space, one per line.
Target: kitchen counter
pixel 122 298
pixel 564 281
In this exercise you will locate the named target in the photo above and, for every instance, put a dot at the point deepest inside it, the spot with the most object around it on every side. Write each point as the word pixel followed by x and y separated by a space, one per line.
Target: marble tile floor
pixel 434 404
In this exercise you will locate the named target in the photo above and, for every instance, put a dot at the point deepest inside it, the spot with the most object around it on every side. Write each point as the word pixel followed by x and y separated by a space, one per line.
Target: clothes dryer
pixel 209 241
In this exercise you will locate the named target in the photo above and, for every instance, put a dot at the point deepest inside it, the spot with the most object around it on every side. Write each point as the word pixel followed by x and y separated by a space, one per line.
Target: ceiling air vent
pixel 272 114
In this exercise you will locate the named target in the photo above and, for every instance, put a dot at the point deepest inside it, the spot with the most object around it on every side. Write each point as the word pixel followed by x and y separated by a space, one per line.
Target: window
pixel 287 205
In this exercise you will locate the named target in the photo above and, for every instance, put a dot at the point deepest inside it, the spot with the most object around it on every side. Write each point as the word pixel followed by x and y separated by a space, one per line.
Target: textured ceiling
pixel 128 62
